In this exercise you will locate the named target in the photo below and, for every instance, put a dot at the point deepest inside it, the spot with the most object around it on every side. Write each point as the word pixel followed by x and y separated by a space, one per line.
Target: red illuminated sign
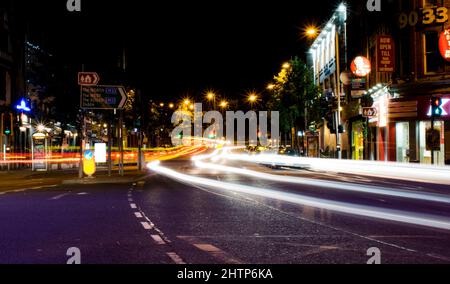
pixel 361 66
pixel 444 44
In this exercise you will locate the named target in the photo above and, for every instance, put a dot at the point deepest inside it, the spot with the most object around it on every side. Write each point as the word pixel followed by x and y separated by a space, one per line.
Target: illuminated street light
pixel 270 87
pixel 161 104
pixel 191 107
pixel 187 102
pixel 286 65
pixel 311 32
pixel 223 104
pixel 171 105
pixel 252 98
pixel 40 127
pixel 210 95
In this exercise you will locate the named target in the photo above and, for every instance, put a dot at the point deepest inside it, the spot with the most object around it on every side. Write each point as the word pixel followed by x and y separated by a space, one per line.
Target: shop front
pixel 414 140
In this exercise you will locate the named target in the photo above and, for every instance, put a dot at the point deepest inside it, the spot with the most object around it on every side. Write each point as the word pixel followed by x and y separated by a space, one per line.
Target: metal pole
pixel 82 142
pixel 432 131
pixel 121 171
pixel 82 137
pixel 338 87
pixel 109 144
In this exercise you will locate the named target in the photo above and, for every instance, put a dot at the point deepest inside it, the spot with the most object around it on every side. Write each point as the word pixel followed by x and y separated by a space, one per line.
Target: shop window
pixel 433 61
pixel 425 155
pixel 402 142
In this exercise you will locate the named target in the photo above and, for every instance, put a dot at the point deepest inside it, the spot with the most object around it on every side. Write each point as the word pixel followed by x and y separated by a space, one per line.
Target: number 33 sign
pixel 428 16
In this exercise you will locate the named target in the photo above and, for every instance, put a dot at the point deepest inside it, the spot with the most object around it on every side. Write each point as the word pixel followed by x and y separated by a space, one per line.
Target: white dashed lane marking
pixel 146 225
pixel 176 258
pixel 158 239
pixel 59 196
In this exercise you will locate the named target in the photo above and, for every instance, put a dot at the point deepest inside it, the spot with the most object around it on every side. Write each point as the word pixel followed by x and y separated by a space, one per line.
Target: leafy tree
pixel 296 97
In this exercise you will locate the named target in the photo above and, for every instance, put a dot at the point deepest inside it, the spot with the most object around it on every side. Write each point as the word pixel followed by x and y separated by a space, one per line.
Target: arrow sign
pixel 88 78
pixel 103 97
pixel 369 112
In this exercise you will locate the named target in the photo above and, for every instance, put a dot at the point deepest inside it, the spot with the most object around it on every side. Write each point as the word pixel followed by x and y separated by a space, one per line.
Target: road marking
pixel 138 215
pixel 129 194
pixel 130 199
pixel 158 239
pixel 59 196
pixel 218 253
pixel 211 250
pixel 176 258
pixel 133 206
pixel 82 193
pixel 146 225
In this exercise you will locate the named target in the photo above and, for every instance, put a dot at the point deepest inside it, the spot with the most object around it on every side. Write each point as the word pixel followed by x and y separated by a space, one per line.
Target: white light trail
pixel 327 184
pixel 403 171
pixel 360 210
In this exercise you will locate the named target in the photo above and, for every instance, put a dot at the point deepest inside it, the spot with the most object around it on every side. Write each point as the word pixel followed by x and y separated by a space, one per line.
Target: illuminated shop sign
pixel 444 44
pixel 361 66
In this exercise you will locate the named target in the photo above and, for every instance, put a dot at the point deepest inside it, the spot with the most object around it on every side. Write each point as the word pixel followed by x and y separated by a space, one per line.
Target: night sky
pixel 179 47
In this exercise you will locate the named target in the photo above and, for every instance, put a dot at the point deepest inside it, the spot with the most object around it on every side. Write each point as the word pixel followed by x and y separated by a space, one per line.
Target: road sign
pixel 89 163
pixel 369 112
pixel 103 97
pixel 88 78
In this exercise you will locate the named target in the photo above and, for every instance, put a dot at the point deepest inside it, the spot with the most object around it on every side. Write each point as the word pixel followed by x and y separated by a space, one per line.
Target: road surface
pixel 160 220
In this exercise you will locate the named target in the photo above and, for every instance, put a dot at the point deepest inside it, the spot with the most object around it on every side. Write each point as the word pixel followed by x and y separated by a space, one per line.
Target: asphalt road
pixel 161 220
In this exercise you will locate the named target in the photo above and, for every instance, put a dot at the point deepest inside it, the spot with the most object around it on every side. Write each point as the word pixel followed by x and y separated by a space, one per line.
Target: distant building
pixel 12 85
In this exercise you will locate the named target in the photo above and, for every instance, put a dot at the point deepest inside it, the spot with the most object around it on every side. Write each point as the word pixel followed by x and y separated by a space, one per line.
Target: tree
pixel 297 99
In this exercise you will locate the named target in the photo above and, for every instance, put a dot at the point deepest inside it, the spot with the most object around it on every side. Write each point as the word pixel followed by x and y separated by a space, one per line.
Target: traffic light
pixel 7 124
pixel 436 107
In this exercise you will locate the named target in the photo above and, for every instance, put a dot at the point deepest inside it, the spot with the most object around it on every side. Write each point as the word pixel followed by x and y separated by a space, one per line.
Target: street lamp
pixel 286 65
pixel 270 87
pixel 161 104
pixel 171 105
pixel 211 96
pixel 311 32
pixel 223 104
pixel 40 127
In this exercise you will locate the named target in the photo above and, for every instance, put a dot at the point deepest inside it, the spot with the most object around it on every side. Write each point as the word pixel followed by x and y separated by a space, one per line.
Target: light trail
pixel 403 171
pixel 342 207
pixel 327 184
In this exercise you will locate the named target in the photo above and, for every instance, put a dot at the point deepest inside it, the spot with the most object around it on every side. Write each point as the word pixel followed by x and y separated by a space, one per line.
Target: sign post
pixel 103 97
pixel 88 78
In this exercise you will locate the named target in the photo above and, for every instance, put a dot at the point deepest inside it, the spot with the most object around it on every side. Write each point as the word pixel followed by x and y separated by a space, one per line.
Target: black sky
pixel 178 47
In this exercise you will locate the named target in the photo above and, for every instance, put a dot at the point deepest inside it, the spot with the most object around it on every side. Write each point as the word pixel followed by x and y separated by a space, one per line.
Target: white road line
pixel 218 253
pixel 146 225
pixel 130 199
pixel 59 196
pixel 158 239
pixel 82 193
pixel 176 258
pixel 133 206
pixel 138 215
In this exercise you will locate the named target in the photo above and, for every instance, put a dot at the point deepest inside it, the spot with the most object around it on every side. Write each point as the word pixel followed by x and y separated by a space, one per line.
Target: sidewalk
pixel 27 179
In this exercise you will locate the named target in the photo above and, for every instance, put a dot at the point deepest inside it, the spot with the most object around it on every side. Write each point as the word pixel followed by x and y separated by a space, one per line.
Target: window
pixel 2 85
pixel 431 3
pixel 433 61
